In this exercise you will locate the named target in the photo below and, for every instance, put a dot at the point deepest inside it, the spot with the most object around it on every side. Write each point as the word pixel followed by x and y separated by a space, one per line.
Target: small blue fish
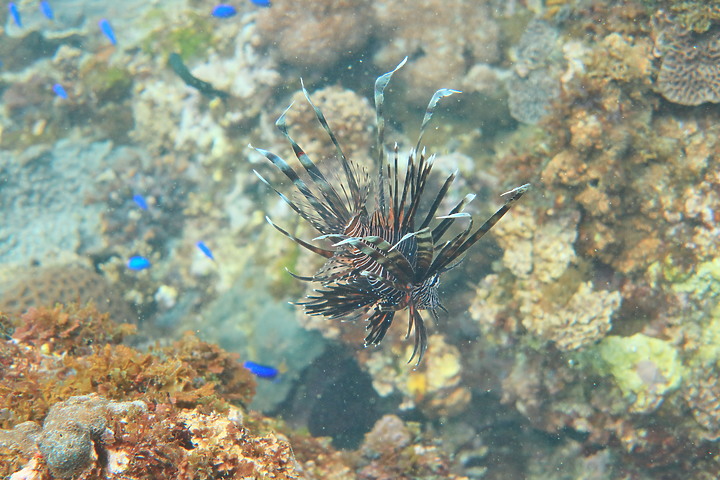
pixel 138 263
pixel 107 30
pixel 261 3
pixel 47 10
pixel 224 11
pixel 140 201
pixel 261 371
pixel 60 91
pixel 206 250
pixel 15 13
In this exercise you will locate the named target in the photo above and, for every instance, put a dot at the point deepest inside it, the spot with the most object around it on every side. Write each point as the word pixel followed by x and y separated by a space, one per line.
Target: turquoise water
pixel 579 339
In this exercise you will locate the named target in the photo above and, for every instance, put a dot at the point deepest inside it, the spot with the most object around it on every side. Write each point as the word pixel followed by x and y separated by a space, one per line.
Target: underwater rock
pixel 444 40
pixel 315 34
pixel 40 286
pixel 47 191
pixel 583 320
pixel 644 368
pixel 435 387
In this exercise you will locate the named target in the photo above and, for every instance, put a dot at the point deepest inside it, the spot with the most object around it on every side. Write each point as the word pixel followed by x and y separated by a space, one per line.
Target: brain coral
pixel 315 33
pixel 690 73
pixel 45 286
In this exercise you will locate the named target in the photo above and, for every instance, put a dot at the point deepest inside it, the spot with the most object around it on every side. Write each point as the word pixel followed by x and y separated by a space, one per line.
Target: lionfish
pixel 389 259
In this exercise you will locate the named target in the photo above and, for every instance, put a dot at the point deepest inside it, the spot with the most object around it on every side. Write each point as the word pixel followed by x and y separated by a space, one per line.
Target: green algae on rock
pixel 644 368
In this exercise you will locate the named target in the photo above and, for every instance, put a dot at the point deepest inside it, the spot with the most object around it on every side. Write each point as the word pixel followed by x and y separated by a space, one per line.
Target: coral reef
pixel 689 74
pixel 534 85
pixel 350 116
pixel 435 387
pixel 46 191
pixel 329 30
pixel 442 48
pixel 644 368
pixel 38 286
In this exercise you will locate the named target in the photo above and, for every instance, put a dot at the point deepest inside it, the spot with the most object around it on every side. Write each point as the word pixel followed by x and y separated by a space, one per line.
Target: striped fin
pixel 314 202
pixel 378 324
pixel 424 254
pixel 415 321
pixel 438 199
pixel 437 96
pixel 327 190
pixel 448 251
pixel 380 84
pixel 357 198
pixel 302 243
pixel 442 227
pixel 514 196
pixel 312 220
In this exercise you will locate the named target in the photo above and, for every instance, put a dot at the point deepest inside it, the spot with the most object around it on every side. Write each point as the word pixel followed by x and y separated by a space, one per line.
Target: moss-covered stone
pixel 644 368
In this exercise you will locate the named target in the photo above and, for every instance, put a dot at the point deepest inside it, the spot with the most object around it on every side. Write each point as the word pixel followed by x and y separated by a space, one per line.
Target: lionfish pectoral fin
pixel 517 192
pixel 443 226
pixel 438 199
pixel 378 324
pixel 300 277
pixel 302 243
pixel 379 251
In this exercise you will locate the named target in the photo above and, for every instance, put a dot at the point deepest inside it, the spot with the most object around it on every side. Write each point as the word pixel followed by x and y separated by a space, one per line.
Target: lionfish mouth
pixel 386 259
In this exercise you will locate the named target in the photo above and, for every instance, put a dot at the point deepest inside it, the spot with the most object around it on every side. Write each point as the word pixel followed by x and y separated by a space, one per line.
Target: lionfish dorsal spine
pixel 358 199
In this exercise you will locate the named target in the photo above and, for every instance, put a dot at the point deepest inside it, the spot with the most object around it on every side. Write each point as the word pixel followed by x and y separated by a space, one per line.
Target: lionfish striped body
pixel 387 260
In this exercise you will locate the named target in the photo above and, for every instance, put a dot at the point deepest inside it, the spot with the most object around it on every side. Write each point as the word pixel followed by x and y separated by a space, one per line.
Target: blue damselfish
pixel 107 30
pixel 15 13
pixel 140 201
pixel 60 91
pixel 47 10
pixel 262 371
pixel 224 11
pixel 206 250
pixel 138 263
